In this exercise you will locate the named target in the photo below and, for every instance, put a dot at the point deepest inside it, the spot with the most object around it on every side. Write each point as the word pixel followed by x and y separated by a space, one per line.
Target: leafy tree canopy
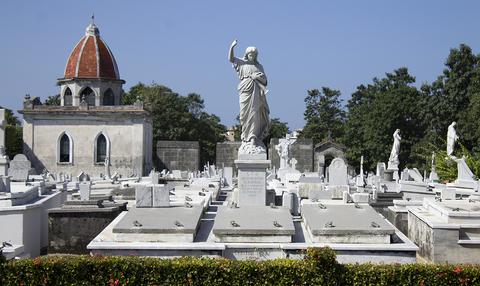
pixel 177 117
pixel 323 114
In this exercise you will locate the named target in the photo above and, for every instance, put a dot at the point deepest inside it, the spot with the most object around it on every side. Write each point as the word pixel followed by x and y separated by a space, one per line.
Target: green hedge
pixel 318 268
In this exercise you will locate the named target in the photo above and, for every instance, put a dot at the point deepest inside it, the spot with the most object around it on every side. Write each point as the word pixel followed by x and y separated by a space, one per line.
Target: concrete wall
pixel 129 139
pixel 71 231
pixel 178 155
pixel 301 150
pixel 441 244
pixel 26 225
pixel 226 154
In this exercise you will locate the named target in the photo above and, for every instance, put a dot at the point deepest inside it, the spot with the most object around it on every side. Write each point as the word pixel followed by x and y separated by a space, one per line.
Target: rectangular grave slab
pixel 337 191
pixel 143 196
pixel 346 223
pixel 307 185
pixel 176 224
pixel 160 196
pixel 253 224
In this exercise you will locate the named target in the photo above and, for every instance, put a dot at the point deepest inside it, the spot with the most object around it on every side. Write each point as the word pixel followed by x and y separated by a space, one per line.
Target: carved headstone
pixel 20 168
pixel 228 175
pixel 380 169
pixel 85 189
pixel 338 175
pixel 338 178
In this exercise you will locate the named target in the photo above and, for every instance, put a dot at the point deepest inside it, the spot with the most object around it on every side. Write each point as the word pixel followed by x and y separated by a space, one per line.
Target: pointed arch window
pixel 65 149
pixel 101 149
pixel 89 95
pixel 108 97
pixel 67 97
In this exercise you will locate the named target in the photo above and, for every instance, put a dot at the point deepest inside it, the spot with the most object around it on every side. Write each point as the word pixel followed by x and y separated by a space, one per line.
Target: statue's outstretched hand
pixel 234 43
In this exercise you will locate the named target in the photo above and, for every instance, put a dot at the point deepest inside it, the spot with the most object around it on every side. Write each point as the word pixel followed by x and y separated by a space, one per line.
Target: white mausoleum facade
pixel 90 128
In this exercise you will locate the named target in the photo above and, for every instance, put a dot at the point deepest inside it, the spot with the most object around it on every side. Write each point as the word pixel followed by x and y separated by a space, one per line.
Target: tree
pixel 375 111
pixel 323 114
pixel 13 134
pixel 53 100
pixel 277 129
pixel 177 117
pixel 451 97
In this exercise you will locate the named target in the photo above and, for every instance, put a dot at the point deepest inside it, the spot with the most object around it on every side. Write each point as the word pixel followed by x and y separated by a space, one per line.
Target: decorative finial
pixel 92 29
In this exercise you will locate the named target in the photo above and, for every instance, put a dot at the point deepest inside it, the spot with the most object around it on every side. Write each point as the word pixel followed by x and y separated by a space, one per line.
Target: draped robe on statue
pixel 254 111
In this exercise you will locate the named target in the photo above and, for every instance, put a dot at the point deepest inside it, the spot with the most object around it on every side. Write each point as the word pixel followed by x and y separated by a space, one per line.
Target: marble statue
pixel 107 167
pixel 254 111
pixel 393 161
pixel 283 149
pixel 451 139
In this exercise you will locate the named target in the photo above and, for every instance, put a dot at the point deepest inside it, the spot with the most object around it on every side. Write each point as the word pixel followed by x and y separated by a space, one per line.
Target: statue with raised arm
pixel 451 139
pixel 393 161
pixel 254 111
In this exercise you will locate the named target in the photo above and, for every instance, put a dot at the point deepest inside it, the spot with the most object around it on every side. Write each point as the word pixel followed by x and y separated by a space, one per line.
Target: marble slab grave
pixel 175 224
pixel 346 223
pixel 253 224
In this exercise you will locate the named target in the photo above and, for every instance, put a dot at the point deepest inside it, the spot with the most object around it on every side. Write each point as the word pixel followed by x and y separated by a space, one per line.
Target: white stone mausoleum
pixel 90 128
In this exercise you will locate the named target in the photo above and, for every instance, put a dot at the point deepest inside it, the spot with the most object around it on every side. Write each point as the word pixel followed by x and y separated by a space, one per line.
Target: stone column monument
pixel 254 117
pixel 3 157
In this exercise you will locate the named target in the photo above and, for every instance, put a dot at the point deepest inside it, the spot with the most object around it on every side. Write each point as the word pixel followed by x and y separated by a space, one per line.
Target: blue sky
pixel 184 44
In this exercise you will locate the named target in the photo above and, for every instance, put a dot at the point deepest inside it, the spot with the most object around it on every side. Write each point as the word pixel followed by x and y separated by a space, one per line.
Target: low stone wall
pixel 178 155
pixel 226 154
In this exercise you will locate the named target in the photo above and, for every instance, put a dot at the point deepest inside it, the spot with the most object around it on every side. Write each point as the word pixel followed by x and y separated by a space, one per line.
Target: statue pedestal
pixel 390 175
pixel 252 180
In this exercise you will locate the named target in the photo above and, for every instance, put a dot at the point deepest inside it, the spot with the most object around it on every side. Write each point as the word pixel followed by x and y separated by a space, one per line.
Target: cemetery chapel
pixel 91 131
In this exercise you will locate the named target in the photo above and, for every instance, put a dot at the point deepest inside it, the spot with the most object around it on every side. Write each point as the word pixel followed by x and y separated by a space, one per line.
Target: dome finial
pixel 92 29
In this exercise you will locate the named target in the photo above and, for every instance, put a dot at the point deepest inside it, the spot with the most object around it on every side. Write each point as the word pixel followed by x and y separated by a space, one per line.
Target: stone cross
pixel 283 149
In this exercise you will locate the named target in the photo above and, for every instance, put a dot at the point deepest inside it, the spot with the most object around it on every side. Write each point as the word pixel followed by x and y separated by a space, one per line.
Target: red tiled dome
pixel 91 58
